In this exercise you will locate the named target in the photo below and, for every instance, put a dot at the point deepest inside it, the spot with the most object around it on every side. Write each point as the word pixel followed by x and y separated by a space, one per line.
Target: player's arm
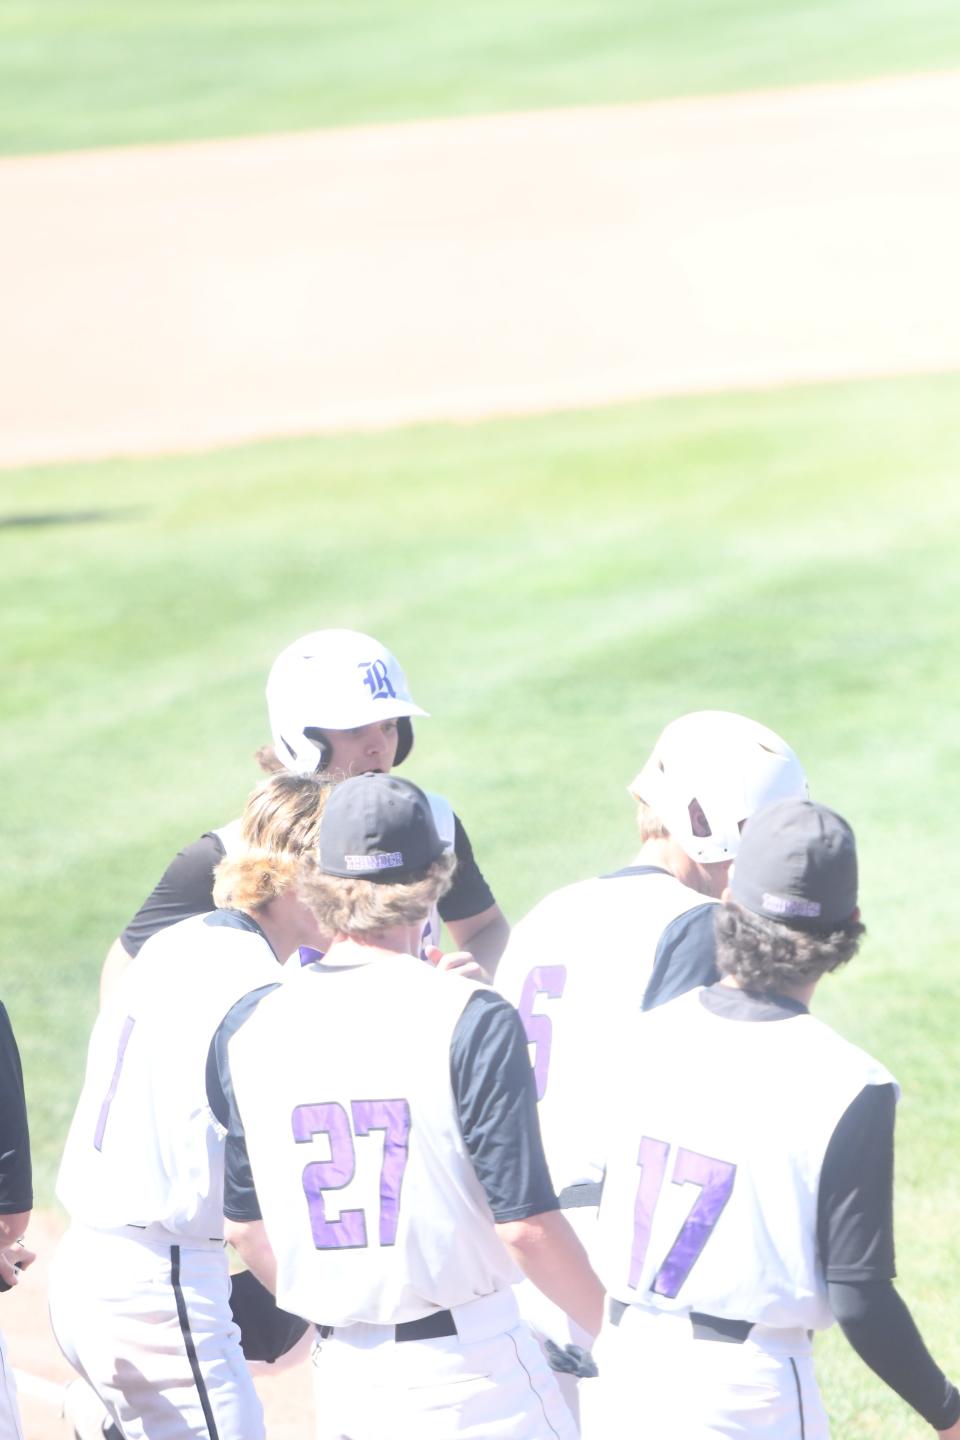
pixel 14 1256
pixel 243 1223
pixel 482 938
pixel 116 961
pixel 249 1239
pixel 13 1227
pixel 16 1175
pixel 497 1107
pixel 475 921
pixel 185 888
pixel 855 1238
pixel 548 1252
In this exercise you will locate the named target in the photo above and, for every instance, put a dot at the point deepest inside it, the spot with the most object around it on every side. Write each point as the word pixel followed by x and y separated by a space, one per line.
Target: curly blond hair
pixel 363 908
pixel 649 824
pixel 280 822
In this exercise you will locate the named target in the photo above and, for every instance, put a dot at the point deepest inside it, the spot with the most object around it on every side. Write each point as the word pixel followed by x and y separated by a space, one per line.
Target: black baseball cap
pixel 376 827
pixel 797 864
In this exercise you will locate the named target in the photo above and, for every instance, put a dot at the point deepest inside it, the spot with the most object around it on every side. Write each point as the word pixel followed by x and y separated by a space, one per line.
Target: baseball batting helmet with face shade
pixel 334 680
pixel 709 772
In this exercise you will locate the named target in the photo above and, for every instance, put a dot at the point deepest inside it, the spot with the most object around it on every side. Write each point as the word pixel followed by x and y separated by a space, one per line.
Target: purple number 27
pixel 715 1178
pixel 331 1119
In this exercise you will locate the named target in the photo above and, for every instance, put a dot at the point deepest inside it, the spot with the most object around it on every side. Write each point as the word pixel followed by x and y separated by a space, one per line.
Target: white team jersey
pixel 144 1147
pixel 230 838
pixel 717 1131
pixel 574 967
pixel 373 1209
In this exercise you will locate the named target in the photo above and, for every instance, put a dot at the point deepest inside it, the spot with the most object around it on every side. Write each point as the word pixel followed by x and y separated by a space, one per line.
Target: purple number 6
pixel 715 1177
pixel 546 980
pixel 330 1118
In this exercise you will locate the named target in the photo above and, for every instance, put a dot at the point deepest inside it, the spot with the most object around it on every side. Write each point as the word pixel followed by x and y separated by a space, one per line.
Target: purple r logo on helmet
pixel 377 680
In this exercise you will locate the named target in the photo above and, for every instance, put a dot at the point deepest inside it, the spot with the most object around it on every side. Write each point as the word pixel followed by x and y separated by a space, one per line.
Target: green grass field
pixel 80 73
pixel 557 589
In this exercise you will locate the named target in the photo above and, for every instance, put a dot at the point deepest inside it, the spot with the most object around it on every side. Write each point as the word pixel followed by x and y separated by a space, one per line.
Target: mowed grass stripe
pixel 111 72
pixel 557 589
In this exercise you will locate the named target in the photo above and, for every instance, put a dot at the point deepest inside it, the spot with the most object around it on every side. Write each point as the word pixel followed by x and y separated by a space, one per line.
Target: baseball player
pixel 139 1287
pixel 16 1203
pixel 384 1167
pixel 339 705
pixel 749 1174
pixel 592 951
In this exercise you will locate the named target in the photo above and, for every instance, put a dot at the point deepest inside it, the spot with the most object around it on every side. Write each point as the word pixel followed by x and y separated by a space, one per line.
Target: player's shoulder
pixel 198 950
pixel 844 1058
pixel 579 897
pixel 208 929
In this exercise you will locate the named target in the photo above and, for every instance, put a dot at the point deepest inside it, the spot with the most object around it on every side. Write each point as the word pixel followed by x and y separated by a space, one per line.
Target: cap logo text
pixel 791 905
pixel 377 680
pixel 390 861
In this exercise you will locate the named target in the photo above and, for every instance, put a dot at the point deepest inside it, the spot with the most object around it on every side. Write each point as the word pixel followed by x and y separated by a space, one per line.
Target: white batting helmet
pixel 334 680
pixel 708 773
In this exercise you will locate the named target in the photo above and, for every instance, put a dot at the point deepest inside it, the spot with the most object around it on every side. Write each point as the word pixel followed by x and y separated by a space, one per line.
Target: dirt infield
pixel 187 297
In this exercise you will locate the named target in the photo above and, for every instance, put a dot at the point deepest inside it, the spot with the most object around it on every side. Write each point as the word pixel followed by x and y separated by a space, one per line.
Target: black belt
pixel 704 1327
pixel 428 1327
pixel 575 1197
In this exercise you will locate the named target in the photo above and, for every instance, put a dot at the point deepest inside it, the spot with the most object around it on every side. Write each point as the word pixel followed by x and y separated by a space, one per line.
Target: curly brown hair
pixel 363 908
pixel 768 957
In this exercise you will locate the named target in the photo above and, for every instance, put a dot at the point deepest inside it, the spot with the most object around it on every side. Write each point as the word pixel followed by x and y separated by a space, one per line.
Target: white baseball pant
pixel 146 1321
pixel 657 1378
pixel 489 1381
pixel 549 1322
pixel 10 1427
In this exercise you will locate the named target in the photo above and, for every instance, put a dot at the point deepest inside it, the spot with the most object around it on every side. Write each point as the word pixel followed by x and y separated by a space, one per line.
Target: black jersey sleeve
pixel 185 888
pixel 855 1198
pixel 240 1200
pixel 496 1102
pixel 881 1329
pixel 855 1238
pixel 686 957
pixel 469 894
pixel 16 1175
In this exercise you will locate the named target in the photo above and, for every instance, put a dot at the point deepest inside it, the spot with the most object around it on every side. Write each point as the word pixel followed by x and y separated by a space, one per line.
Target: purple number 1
pixel 715 1178
pixel 330 1119
pixel 546 980
pixel 125 1032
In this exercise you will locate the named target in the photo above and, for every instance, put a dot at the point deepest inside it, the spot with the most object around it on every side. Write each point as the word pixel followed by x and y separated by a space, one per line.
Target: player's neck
pixel 664 852
pixel 802 993
pixel 356 950
pixel 287 923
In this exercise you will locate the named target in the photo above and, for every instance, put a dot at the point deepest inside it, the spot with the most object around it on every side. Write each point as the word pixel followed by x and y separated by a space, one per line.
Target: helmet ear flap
pixel 404 739
pixel 318 738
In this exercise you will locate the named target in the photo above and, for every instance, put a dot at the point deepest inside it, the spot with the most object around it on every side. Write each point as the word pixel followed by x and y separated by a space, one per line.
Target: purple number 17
pixel 715 1178
pixel 331 1119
